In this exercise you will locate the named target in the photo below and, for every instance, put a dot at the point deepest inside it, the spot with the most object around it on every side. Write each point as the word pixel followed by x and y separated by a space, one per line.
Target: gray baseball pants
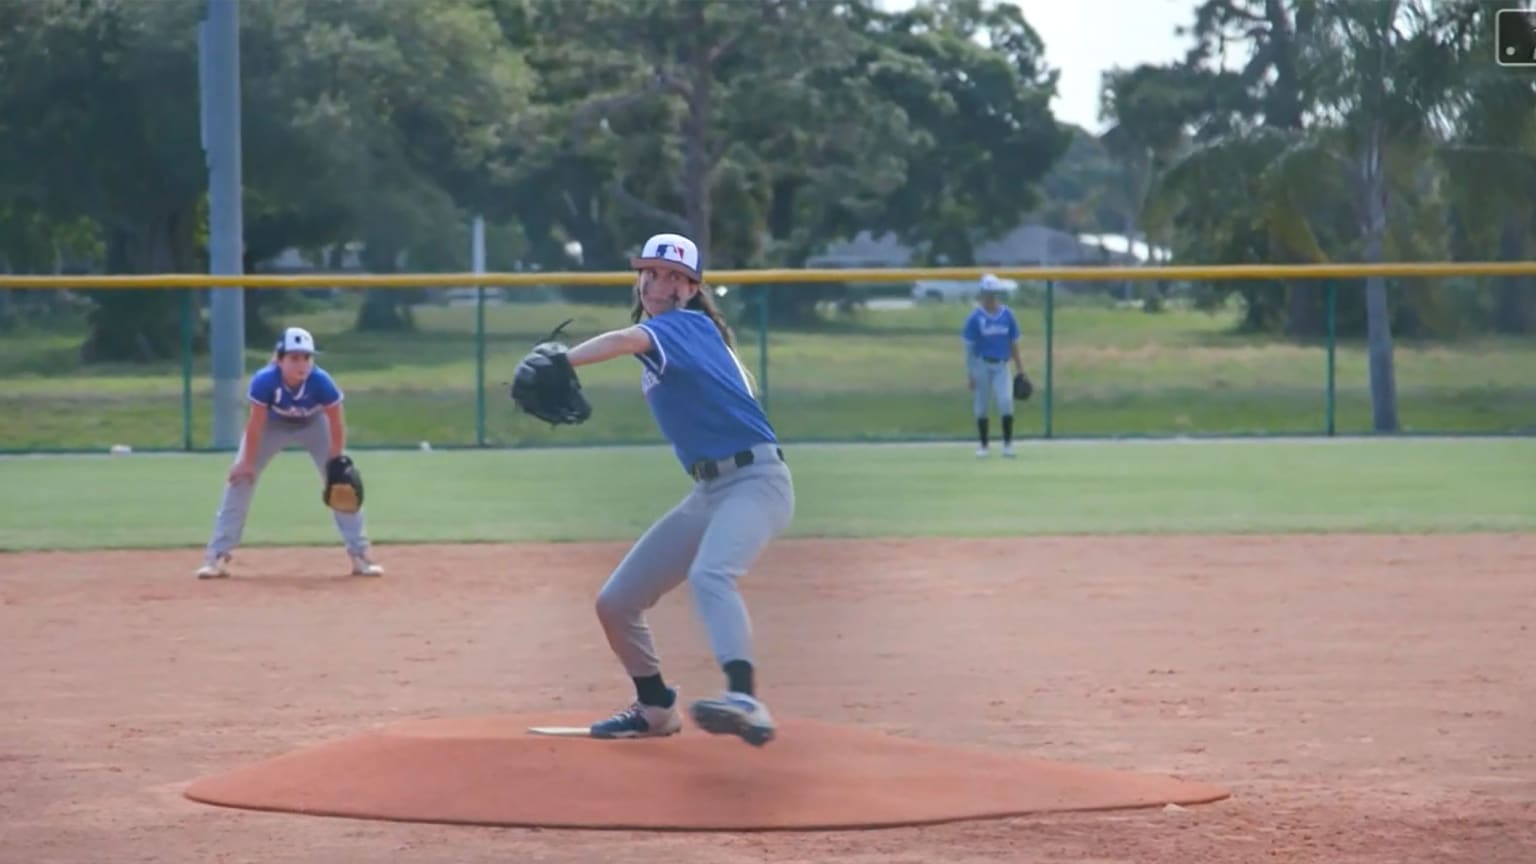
pixel 709 539
pixel 994 382
pixel 315 435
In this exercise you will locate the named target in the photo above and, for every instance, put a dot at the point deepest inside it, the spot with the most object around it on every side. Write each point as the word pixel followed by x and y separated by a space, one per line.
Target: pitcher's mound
pixel 493 771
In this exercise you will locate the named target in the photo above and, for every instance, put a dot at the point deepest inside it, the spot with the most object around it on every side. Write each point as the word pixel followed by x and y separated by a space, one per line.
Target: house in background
pixel 1028 245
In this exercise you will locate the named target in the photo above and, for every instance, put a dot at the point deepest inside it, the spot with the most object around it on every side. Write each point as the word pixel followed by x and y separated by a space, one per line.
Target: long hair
pixel 699 302
pixel 702 302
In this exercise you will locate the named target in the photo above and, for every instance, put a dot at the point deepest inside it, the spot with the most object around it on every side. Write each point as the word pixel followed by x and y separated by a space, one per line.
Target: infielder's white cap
pixel 297 340
pixel 673 251
pixel 990 283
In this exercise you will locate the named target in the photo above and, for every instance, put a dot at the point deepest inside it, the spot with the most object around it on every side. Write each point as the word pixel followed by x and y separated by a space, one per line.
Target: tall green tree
pixel 974 83
pixel 378 122
pixel 769 129
pixel 1379 78
pixel 1491 163
pixel 96 95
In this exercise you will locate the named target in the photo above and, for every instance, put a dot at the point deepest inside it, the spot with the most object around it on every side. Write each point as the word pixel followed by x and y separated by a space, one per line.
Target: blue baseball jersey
pixel 697 389
pixel 313 395
pixel 991 336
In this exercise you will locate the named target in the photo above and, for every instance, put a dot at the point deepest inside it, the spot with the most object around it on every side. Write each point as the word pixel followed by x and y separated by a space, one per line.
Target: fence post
pixel 477 263
pixel 186 368
pixel 480 366
pixel 1050 338
pixel 1332 346
pixel 762 346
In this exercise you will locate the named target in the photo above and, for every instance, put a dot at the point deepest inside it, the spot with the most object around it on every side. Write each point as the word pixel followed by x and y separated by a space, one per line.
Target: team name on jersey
pixel 999 328
pixel 648 380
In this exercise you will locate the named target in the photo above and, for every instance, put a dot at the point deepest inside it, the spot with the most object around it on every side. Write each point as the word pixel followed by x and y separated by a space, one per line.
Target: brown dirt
pixel 492 770
pixel 1366 699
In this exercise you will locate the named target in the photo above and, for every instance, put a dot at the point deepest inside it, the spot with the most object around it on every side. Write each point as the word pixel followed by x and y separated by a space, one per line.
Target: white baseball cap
pixel 670 250
pixel 297 340
pixel 990 283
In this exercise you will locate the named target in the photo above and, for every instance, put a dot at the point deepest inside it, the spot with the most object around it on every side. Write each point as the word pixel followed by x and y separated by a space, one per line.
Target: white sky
pixel 1085 38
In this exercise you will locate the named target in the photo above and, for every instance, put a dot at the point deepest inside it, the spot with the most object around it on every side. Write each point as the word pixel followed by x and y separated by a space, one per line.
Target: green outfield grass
pixel 1403 485
pixel 886 374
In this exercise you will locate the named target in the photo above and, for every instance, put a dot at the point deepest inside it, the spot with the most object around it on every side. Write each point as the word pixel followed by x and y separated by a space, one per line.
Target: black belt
pixel 709 469
pixel 998 360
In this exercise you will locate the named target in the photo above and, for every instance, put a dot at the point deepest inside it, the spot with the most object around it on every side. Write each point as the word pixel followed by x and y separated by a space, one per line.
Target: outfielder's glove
pixel 1022 388
pixel 343 485
pixel 545 384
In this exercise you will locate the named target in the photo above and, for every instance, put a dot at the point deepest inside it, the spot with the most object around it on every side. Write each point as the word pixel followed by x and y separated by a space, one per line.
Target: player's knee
pixel 711 579
pixel 611 606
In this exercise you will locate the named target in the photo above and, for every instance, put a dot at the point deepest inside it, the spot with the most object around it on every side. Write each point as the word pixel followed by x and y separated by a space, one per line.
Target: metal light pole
pixel 219 69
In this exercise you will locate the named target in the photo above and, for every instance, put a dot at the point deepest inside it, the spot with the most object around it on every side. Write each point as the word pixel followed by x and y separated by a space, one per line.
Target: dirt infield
pixel 1366 699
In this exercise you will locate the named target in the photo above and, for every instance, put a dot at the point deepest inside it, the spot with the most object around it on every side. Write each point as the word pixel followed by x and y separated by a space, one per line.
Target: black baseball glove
pixel 545 384
pixel 1022 388
pixel 343 485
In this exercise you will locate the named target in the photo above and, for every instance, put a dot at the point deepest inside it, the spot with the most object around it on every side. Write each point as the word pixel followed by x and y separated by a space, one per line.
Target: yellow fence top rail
pixel 783 276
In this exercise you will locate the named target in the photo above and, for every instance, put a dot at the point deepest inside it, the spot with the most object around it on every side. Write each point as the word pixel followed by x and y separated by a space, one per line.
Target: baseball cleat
pixel 1008 451
pixel 216 567
pixel 641 721
pixel 361 566
pixel 735 714
pixel 981 452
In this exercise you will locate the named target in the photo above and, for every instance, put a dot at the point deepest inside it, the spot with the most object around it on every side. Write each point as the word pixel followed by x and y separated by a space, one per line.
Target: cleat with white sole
pixel 216 567
pixel 362 566
pixel 641 721
pixel 735 714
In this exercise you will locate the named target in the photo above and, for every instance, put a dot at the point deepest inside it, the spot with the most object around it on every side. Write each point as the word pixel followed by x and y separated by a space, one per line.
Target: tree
pixel 769 129
pixel 91 89
pixel 975 86
pixel 1379 78
pixel 378 122
pixel 1491 163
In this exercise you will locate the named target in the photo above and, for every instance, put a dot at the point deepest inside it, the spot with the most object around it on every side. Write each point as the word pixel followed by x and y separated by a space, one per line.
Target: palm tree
pixel 1378 110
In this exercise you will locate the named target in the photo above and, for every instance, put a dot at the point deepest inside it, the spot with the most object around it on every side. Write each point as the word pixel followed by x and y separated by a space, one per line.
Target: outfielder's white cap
pixel 670 250
pixel 990 283
pixel 297 340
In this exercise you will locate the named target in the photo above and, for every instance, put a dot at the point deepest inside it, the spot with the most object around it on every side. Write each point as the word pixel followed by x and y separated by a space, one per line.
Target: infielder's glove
pixel 545 384
pixel 343 485
pixel 1022 388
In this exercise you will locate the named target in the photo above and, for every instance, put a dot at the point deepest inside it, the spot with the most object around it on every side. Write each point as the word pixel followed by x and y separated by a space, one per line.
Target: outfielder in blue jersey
pixel 291 400
pixel 991 337
pixel 743 497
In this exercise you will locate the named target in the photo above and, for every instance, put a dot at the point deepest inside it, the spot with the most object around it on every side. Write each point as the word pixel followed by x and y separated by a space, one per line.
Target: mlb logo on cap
pixel 297 340
pixel 672 250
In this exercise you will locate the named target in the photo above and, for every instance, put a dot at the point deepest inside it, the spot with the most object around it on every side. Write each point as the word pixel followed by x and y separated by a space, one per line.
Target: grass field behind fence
pixel 880 374
pixel 1354 485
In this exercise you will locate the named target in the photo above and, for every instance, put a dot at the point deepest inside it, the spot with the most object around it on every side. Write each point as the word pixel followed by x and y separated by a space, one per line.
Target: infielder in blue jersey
pixel 701 397
pixel 991 337
pixel 291 400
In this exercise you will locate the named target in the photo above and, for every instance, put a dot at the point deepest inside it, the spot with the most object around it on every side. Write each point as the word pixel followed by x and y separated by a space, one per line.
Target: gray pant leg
pixel 1002 389
pixel 979 373
pixel 229 523
pixel 656 564
pixel 316 438
pixel 747 510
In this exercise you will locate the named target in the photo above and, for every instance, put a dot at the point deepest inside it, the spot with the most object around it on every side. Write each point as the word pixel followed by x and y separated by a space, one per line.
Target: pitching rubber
pixel 561 731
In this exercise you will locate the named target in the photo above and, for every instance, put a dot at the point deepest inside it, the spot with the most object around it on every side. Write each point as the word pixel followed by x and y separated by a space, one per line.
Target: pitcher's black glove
pixel 545 384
